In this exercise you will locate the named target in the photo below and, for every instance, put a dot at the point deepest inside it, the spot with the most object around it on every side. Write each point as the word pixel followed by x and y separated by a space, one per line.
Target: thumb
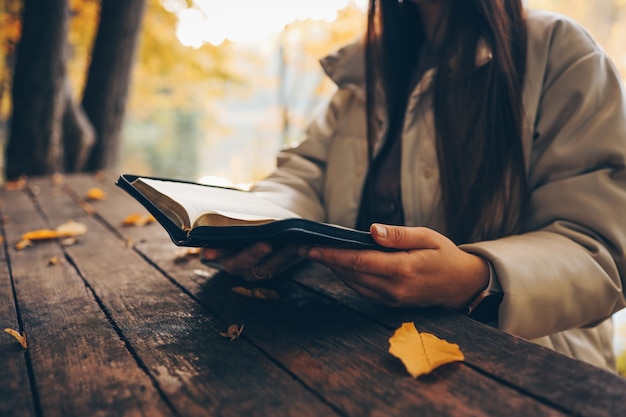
pixel 403 237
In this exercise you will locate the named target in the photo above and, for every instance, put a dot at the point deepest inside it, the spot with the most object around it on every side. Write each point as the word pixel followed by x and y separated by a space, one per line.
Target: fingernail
pixel 314 254
pixel 381 231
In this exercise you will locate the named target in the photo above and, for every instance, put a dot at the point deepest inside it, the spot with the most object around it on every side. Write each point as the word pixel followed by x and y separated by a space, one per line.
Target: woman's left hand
pixel 429 270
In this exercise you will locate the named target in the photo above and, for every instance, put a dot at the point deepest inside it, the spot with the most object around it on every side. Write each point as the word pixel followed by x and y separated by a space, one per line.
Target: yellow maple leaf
pixel 421 353
pixel 95 194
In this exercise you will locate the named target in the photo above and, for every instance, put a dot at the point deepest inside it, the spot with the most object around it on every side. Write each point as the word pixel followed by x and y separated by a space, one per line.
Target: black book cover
pixel 294 230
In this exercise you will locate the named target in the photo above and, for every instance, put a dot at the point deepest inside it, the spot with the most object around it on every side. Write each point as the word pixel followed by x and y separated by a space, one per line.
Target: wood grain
pixel 15 391
pixel 176 339
pixel 337 353
pixel 535 370
pixel 68 332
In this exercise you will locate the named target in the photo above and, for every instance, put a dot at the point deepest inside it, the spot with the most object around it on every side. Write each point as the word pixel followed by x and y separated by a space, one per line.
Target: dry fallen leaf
pixel 258 293
pixel 16 185
pixel 421 353
pixel 23 244
pixel 53 261
pixel 67 229
pixel 41 234
pixel 71 229
pixel 95 194
pixel 20 337
pixel 137 219
pixel 233 332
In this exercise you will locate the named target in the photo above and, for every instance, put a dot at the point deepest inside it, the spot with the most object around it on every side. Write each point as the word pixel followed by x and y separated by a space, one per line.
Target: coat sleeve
pixel 568 268
pixel 298 180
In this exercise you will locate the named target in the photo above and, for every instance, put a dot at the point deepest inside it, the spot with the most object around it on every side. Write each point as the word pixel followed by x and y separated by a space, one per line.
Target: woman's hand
pixel 430 270
pixel 259 261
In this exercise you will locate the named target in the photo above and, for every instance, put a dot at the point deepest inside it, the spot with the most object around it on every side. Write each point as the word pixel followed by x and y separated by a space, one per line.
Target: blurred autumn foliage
pixel 166 74
pixel 202 105
pixel 177 93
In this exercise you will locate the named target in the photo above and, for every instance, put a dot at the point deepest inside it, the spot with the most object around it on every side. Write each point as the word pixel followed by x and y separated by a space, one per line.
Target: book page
pixel 236 204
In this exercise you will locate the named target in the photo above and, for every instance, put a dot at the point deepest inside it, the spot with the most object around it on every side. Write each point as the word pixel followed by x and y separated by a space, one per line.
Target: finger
pixel 359 261
pixel 361 287
pixel 381 285
pixel 242 262
pixel 276 262
pixel 402 237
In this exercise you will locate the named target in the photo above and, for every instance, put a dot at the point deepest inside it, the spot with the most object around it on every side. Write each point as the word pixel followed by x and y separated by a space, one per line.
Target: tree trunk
pixel 33 147
pixel 104 100
pixel 78 134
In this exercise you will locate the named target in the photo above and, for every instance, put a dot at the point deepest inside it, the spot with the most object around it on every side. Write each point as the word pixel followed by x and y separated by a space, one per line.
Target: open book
pixel 202 215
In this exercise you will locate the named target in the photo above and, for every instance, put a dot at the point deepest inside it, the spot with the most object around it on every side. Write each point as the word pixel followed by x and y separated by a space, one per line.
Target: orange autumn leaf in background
pixel 421 353
pixel 67 229
pixel 42 234
pixel 137 219
pixel 95 194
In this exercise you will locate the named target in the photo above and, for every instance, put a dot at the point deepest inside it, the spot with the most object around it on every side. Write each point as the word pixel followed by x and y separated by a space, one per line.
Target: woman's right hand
pixel 257 262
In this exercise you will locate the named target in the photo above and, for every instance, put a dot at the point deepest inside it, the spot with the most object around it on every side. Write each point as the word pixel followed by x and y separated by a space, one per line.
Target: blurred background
pixel 211 91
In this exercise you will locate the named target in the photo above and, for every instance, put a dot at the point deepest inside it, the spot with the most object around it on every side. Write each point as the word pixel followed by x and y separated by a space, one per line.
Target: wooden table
pixel 119 328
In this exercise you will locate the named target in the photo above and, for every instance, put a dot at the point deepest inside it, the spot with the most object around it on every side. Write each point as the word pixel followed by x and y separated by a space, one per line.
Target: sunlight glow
pixel 246 21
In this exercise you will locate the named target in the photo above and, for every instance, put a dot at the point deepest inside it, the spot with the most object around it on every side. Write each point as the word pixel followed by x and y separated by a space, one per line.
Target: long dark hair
pixel 478 110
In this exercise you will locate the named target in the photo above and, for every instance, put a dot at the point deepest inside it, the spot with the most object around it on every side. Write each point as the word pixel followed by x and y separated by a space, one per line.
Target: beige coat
pixel 562 278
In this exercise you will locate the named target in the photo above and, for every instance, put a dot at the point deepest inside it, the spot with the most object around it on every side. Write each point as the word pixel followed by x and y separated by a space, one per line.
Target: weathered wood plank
pixel 521 364
pixel 69 333
pixel 579 388
pixel 15 392
pixel 333 350
pixel 177 340
pixel 344 357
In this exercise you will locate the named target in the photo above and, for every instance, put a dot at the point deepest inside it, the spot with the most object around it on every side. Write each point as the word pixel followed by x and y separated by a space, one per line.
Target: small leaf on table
pixel 95 194
pixel 421 353
pixel 233 332
pixel 20 337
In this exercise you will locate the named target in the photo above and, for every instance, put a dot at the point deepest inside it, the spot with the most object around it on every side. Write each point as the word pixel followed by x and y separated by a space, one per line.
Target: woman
pixel 489 144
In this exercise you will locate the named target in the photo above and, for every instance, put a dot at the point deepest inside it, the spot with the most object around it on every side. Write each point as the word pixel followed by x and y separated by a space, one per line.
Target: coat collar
pixel 346 66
